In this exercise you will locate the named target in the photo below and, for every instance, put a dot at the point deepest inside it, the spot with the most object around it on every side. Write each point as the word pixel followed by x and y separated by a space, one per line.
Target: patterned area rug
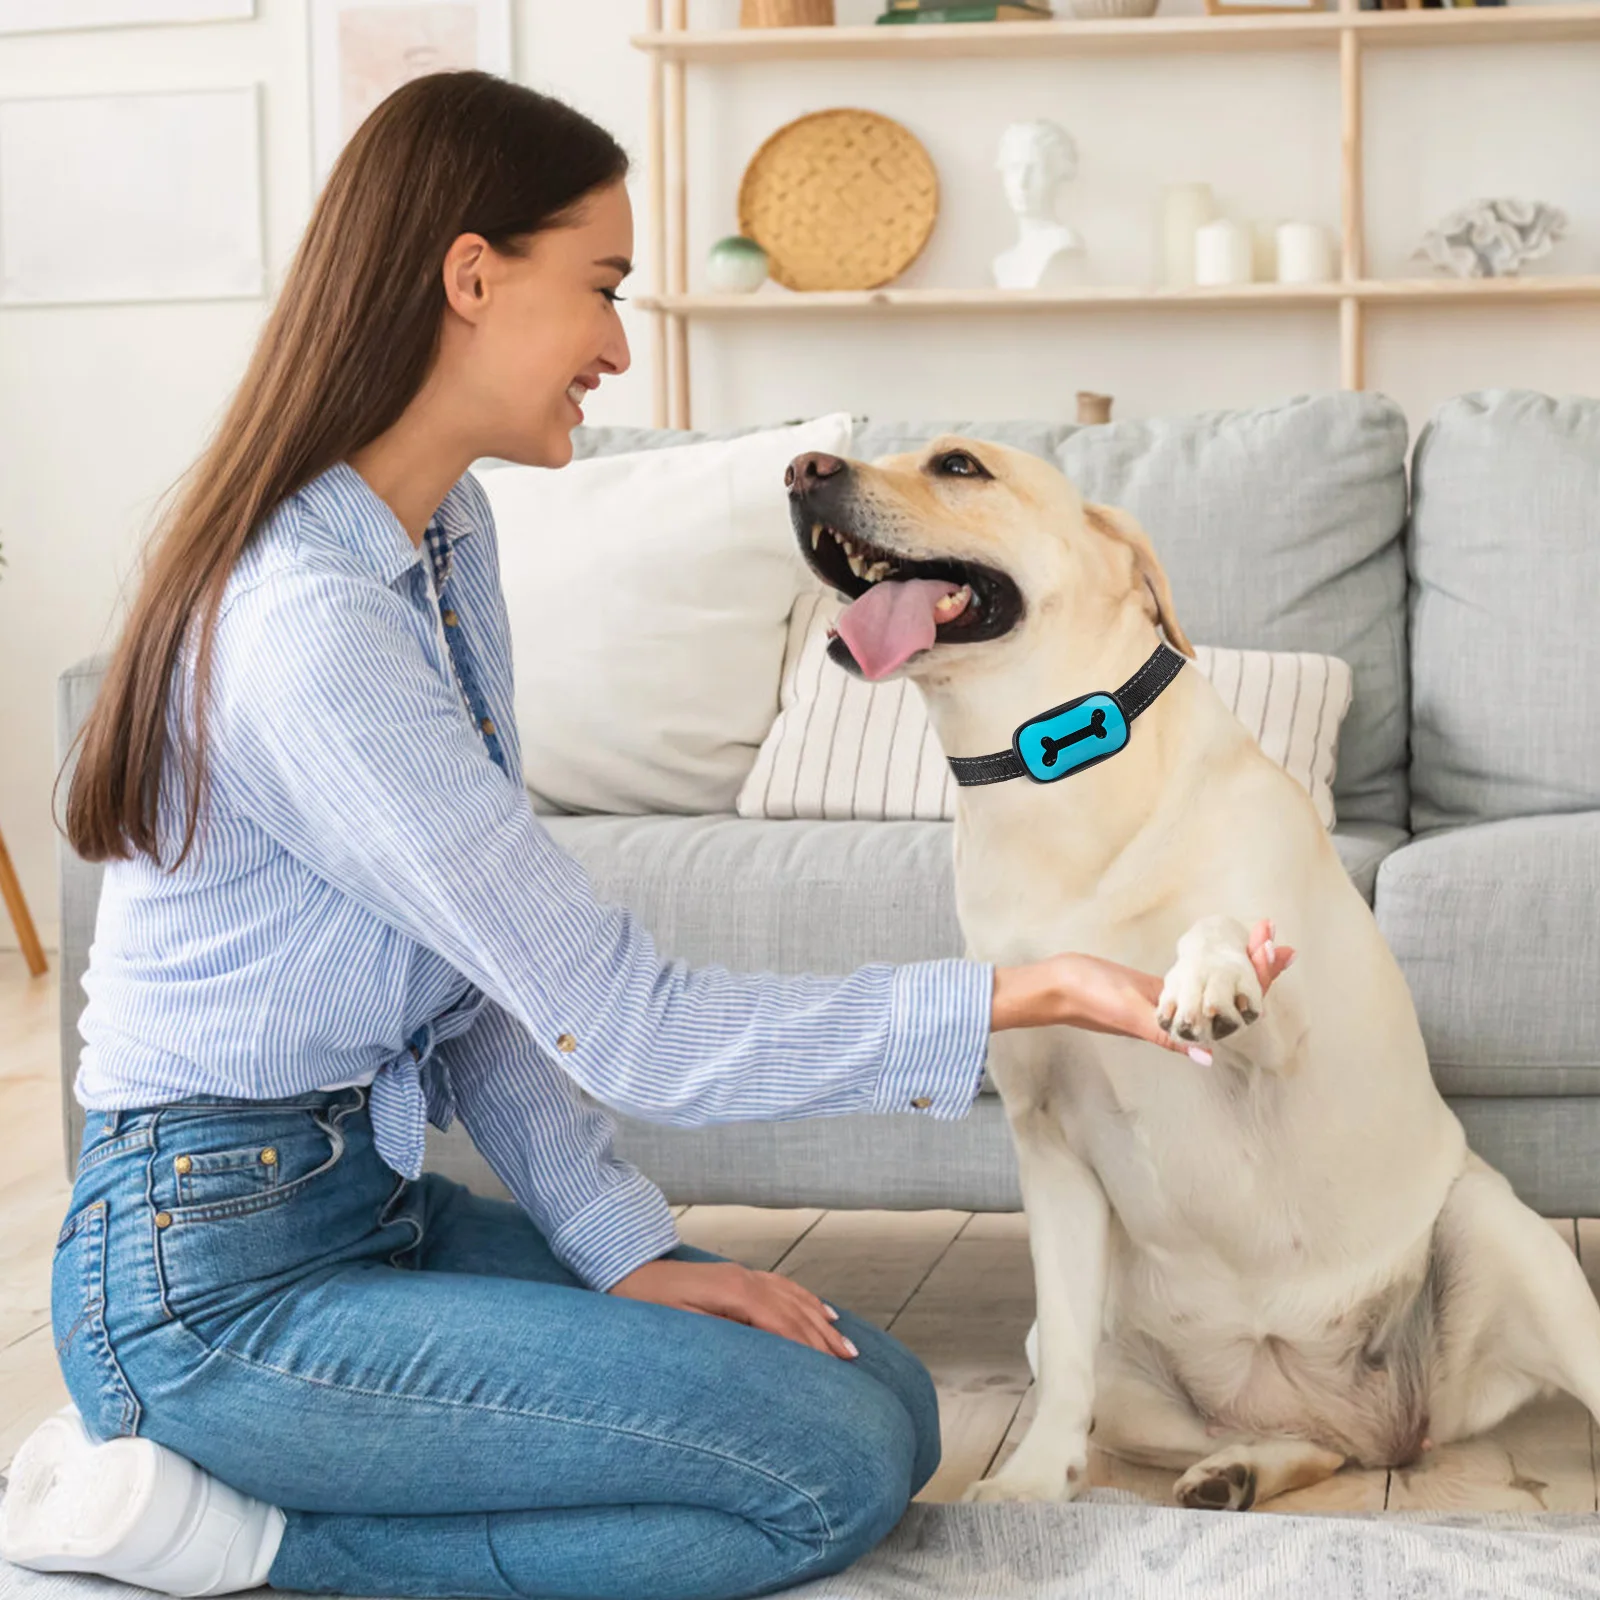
pixel 1111 1547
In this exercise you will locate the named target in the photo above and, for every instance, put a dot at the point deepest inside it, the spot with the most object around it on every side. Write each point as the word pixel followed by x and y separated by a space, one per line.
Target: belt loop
pixel 113 1120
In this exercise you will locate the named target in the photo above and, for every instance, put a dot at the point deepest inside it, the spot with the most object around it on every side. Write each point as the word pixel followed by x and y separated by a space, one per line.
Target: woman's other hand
pixel 741 1294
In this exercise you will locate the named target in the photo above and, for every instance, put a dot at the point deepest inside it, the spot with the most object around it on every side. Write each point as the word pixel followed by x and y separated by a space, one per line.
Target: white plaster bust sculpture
pixel 1035 160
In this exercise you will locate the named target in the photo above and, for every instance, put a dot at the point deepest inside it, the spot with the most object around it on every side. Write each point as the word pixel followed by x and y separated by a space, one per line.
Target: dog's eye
pixel 958 464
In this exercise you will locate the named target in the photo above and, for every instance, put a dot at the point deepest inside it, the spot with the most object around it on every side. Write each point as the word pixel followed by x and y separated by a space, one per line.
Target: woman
pixel 329 915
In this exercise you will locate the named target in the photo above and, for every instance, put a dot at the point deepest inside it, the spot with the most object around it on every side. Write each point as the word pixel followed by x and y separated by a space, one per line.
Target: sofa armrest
pixel 79 888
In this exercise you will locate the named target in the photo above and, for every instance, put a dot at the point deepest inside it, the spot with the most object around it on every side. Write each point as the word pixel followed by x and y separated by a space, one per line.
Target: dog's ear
pixel 1115 523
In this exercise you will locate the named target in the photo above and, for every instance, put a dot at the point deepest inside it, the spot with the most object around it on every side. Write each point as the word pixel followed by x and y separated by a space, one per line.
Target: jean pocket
pixel 220 1164
pixel 249 1240
pixel 93 1375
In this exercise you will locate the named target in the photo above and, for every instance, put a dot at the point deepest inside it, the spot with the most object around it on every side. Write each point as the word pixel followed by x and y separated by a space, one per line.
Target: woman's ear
pixel 1115 523
pixel 466 287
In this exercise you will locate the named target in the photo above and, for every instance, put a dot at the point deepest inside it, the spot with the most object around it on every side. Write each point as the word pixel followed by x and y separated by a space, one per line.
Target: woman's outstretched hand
pixel 1086 992
pixel 741 1294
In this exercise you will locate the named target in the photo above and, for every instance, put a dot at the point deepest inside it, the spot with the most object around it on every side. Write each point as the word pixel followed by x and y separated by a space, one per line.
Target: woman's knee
pixel 863 1474
pixel 884 1358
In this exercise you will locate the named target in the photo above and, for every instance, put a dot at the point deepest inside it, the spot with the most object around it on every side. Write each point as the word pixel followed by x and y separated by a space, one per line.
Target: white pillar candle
pixel 1305 254
pixel 1222 253
pixel 1264 251
pixel 1185 209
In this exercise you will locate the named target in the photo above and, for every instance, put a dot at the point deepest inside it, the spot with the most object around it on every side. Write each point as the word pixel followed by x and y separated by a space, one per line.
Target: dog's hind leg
pixel 1515 1314
pixel 1144 1420
pixel 1068 1220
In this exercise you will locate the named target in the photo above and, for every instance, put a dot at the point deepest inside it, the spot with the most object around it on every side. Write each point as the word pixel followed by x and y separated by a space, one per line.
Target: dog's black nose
pixel 807 470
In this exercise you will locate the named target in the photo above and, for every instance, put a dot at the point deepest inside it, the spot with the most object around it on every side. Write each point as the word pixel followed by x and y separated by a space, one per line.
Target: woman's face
pixel 547 330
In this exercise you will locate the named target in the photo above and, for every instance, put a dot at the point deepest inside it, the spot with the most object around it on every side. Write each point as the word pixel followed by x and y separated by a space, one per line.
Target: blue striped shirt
pixel 373 897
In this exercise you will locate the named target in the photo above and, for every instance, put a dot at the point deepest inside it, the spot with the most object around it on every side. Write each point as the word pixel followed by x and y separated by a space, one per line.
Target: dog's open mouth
pixel 900 606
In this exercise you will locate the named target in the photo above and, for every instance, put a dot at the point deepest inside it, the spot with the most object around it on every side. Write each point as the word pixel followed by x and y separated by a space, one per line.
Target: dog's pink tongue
pixel 891 622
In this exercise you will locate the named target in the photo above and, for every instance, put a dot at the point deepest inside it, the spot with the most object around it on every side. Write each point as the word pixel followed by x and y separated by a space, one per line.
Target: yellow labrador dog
pixel 1255 1271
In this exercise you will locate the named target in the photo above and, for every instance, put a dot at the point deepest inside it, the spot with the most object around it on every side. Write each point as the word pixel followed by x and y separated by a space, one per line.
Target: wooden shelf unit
pixel 1126 36
pixel 673 46
pixel 1248 296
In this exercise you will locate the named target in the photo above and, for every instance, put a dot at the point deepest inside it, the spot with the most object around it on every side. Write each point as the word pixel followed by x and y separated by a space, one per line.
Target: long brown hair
pixel 346 348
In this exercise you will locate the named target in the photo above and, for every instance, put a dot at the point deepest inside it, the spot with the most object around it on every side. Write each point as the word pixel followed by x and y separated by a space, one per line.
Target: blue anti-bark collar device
pixel 1073 737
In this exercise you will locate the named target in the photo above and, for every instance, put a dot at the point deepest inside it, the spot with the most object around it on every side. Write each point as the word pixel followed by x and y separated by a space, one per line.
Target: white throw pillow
pixel 844 748
pixel 649 596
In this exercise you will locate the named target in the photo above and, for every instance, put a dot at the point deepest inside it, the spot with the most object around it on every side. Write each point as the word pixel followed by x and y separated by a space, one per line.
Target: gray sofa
pixel 1468 784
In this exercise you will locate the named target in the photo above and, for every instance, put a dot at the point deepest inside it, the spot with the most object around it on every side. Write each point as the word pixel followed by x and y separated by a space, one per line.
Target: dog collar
pixel 1077 735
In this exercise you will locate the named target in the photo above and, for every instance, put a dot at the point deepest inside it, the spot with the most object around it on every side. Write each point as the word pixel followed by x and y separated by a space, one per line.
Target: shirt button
pixel 163 1219
pixel 450 619
pixel 269 1157
pixel 567 1043
pixel 182 1164
pixel 488 726
pixel 922 1102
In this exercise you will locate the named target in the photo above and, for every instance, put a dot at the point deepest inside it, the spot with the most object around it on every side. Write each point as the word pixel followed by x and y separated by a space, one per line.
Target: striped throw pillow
pixel 843 749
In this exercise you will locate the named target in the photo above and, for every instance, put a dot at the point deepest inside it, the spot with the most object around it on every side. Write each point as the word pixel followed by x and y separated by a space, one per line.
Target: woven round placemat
pixel 840 199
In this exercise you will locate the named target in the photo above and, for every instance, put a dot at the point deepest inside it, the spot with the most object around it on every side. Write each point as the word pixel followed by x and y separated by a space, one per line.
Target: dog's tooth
pixel 816 534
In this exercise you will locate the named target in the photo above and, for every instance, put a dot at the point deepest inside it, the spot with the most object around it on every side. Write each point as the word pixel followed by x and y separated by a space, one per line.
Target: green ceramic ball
pixel 736 265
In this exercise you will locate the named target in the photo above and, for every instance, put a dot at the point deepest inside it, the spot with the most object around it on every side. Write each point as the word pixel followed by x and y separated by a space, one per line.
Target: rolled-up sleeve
pixel 352 753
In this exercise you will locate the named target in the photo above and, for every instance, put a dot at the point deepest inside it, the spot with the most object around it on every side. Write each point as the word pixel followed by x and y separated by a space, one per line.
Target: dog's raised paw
pixel 1217 1486
pixel 1212 991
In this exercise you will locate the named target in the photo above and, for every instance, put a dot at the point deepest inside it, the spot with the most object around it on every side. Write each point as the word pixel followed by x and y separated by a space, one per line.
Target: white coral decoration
pixel 1492 238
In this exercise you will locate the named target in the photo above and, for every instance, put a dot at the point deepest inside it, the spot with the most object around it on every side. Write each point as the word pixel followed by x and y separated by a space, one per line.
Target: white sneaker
pixel 134 1510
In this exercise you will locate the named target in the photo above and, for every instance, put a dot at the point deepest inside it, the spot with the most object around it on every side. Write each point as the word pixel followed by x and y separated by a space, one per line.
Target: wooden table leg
pixel 27 935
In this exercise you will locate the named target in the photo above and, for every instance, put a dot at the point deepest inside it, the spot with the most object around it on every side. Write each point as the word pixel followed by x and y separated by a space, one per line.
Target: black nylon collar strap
pixel 1084 732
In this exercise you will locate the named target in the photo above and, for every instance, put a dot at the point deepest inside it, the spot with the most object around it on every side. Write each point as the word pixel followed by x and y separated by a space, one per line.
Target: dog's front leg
pixel 1067 1231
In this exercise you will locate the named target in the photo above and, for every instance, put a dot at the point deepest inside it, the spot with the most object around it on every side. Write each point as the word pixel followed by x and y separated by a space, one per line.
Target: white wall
pixel 102 407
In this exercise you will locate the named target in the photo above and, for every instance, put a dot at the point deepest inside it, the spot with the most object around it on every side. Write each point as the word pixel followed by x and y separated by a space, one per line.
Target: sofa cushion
pixel 1505 555
pixel 1496 930
pixel 650 682
pixel 846 748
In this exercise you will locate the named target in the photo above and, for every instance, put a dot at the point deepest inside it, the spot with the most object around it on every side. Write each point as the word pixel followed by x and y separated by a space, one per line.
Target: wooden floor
pixel 954 1286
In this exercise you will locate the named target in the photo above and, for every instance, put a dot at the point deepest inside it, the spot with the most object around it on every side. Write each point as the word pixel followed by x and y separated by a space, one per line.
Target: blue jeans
pixel 440 1407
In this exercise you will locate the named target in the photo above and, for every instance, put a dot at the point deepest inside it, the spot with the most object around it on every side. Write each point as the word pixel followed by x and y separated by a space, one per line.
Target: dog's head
pixel 964 544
